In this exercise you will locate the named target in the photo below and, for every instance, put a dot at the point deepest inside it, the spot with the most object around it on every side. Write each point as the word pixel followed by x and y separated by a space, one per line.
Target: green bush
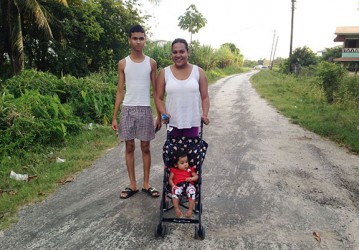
pixel 204 57
pixel 349 90
pixel 44 83
pixel 330 76
pixel 38 110
pixel 33 121
pixel 91 100
pixel 160 52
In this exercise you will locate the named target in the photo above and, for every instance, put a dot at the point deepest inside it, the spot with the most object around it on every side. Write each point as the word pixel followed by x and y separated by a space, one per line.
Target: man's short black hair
pixel 136 28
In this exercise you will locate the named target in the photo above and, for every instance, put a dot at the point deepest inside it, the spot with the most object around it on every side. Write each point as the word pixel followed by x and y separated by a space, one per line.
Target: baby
pixel 181 179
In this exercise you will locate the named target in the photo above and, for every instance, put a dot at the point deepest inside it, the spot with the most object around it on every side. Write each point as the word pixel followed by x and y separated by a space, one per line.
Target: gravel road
pixel 267 184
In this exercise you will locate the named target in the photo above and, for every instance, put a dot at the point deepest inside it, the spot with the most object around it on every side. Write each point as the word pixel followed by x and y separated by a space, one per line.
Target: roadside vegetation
pixel 323 99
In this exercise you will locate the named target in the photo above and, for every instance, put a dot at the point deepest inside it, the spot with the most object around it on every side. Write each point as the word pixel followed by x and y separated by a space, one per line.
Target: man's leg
pixel 130 162
pixel 146 157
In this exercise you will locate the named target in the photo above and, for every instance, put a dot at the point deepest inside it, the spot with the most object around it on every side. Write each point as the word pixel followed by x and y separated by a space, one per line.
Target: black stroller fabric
pixel 195 147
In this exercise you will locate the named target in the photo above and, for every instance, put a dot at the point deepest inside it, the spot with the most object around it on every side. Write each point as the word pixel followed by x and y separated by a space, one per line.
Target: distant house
pixel 349 36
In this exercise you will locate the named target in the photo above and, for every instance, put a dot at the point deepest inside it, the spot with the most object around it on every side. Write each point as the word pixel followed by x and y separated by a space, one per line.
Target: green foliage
pixel 38 109
pixel 81 38
pixel 331 53
pixel 348 91
pixel 303 101
pixel 16 14
pixel 160 51
pixel 33 120
pixel 44 83
pixel 192 20
pixel 203 56
pixel 330 76
pixel 228 55
pixel 301 57
pixel 304 56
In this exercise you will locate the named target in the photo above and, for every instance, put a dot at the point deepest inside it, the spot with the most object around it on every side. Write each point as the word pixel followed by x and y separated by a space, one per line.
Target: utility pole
pixel 291 37
pixel 275 49
pixel 270 58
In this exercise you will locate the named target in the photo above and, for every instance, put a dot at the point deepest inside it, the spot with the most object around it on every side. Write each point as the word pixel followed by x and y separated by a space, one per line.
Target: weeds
pixel 304 101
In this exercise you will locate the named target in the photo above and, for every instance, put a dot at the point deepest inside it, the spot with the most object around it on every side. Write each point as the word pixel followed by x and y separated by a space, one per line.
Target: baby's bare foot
pixel 189 214
pixel 179 214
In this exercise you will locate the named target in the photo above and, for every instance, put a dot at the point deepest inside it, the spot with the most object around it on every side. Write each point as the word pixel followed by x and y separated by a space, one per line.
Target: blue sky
pixel 250 24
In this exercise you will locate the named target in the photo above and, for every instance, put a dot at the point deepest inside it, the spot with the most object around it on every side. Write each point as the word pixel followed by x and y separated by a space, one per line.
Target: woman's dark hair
pixel 180 40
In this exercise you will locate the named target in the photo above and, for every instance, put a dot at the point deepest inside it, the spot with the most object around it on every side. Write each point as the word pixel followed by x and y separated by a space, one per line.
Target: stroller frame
pixel 165 206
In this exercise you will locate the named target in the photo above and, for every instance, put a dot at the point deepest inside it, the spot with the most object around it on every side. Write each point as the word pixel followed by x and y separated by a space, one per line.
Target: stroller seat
pixel 196 149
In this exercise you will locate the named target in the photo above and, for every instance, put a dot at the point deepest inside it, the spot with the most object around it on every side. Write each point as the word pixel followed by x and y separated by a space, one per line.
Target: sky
pixel 254 26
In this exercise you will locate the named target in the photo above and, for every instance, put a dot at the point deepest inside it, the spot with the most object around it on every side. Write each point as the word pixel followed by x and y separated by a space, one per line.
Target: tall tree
pixel 192 20
pixel 304 56
pixel 90 36
pixel 14 12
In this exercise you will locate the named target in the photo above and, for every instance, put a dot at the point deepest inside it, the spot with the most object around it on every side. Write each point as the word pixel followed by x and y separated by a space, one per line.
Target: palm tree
pixel 12 11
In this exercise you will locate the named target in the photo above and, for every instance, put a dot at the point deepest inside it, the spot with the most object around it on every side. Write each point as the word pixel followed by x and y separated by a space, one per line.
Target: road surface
pixel 267 184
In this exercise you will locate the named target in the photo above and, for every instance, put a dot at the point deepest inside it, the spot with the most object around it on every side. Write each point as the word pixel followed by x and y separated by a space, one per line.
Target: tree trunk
pixel 16 41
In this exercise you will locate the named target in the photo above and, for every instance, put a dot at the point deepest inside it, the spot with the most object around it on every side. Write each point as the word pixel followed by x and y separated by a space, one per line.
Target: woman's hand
pixel 165 118
pixel 205 119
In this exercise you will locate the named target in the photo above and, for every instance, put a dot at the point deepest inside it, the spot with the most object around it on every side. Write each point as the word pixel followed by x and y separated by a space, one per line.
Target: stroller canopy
pixel 195 148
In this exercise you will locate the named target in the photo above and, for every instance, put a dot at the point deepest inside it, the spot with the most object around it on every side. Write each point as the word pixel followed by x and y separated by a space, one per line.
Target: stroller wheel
pixel 199 232
pixel 161 230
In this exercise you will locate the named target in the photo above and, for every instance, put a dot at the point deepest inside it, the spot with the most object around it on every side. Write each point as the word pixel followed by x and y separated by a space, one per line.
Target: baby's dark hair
pixel 177 155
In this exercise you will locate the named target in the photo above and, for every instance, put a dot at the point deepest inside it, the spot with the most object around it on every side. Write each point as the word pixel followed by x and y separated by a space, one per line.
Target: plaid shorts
pixel 136 122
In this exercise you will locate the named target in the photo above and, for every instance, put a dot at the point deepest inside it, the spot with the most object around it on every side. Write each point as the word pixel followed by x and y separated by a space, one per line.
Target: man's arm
pixel 119 93
pixel 154 92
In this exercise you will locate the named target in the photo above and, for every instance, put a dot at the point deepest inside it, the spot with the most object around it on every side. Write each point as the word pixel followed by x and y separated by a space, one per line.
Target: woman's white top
pixel 138 82
pixel 183 99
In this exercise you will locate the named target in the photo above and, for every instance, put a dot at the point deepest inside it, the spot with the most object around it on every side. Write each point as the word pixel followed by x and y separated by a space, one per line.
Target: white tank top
pixel 138 82
pixel 183 99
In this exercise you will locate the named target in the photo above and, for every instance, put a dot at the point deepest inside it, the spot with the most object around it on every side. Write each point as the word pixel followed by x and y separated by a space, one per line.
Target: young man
pixel 137 71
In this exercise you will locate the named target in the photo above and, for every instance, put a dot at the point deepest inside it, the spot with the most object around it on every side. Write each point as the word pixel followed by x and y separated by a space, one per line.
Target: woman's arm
pixel 203 89
pixel 160 93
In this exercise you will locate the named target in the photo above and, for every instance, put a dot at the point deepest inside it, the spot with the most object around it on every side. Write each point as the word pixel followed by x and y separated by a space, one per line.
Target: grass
pixel 301 100
pixel 79 153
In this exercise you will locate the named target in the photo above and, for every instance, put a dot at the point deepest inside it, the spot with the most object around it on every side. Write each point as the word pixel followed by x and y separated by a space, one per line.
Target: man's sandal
pixel 127 193
pixel 151 191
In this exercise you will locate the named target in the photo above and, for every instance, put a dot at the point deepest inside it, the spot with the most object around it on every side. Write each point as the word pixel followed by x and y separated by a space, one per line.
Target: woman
pixel 186 88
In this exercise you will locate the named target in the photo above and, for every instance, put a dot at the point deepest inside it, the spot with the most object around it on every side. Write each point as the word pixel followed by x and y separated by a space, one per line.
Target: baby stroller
pixel 196 149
